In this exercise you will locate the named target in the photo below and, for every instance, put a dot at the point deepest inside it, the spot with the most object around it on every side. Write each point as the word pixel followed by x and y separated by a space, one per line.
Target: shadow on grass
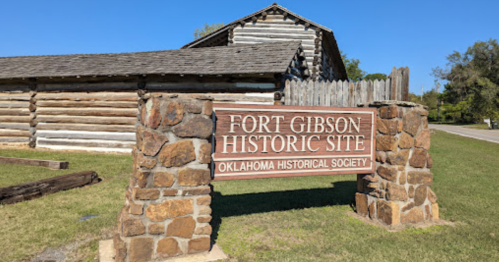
pixel 341 193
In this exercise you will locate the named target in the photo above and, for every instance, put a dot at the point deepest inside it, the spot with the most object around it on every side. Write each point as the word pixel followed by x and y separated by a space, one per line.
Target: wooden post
pixel 32 115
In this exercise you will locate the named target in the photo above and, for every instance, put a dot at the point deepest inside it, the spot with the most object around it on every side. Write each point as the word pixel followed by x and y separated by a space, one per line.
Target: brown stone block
pixel 400 125
pixel 141 249
pixel 411 191
pixel 425 122
pixel 192 107
pixel 431 196
pixel 418 158
pixel 204 210
pixel 194 177
pixel 412 122
pixel 361 204
pixel 132 226
pixel 203 200
pixel 388 173
pixel 198 126
pixel 177 154
pixel 136 209
pixel 168 247
pixel 396 192
pixel 181 227
pixel 386 143
pixel 199 245
pixel 204 153
pixel 120 247
pixel 141 177
pixel 406 141
pixel 423 112
pixel 169 209
pixel 156 229
pixel 408 207
pixel 149 142
pixel 372 210
pixel 150 113
pixel 387 127
pixel 145 193
pixel 414 216
pixel 399 158
pixel 420 195
pixel 205 190
pixel 388 212
pixel 163 179
pixel 174 114
pixel 203 230
pixel 429 161
pixel 143 161
pixel 419 177
pixel 208 108
pixel 402 177
pixel 435 212
pixel 388 112
pixel 205 219
pixel 170 192
pixel 381 156
pixel 423 139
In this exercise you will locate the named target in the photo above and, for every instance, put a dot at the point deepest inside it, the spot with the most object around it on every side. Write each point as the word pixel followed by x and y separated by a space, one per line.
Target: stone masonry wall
pixel 167 207
pixel 399 192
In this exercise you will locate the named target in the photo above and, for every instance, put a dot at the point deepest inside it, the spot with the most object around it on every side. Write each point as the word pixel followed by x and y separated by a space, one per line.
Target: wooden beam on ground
pixel 35 162
pixel 30 190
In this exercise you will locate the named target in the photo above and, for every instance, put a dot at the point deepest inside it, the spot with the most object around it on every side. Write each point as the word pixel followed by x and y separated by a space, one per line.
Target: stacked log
pixel 14 117
pixel 96 121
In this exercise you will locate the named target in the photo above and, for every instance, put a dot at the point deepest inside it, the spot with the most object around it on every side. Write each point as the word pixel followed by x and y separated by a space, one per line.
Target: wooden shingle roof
pixel 268 58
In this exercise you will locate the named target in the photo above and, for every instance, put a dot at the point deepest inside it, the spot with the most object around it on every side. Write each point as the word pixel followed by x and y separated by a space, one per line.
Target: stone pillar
pixel 399 191
pixel 167 207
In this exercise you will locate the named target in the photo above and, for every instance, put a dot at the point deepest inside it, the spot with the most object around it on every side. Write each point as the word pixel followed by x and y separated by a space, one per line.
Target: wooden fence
pixel 348 94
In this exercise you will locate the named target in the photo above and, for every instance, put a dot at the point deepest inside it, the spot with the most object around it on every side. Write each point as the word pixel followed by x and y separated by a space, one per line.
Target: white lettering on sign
pixel 254 140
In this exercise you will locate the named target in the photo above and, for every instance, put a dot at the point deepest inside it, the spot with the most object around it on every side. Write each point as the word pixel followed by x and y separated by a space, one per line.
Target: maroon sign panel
pixel 259 141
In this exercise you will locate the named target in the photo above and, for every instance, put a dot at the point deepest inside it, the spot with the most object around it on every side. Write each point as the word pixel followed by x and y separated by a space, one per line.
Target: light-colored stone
pixel 203 200
pixel 208 108
pixel 372 210
pixel 136 209
pixel 423 139
pixel 150 113
pixel 402 177
pixel 204 190
pixel 203 230
pixel 432 197
pixel 381 156
pixel 169 209
pixel 204 210
pixel 435 212
pixel 412 122
pixel 204 153
pixel 204 219
pixel 411 191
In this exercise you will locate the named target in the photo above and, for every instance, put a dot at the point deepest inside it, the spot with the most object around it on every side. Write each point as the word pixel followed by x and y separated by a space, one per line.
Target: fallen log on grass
pixel 30 190
pixel 35 162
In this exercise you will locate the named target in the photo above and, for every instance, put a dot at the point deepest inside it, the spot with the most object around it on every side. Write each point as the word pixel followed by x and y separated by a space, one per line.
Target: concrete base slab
pixel 107 253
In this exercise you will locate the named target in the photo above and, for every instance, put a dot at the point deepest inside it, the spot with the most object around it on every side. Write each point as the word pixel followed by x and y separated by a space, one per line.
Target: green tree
pixel 352 66
pixel 473 81
pixel 207 29
pixel 379 76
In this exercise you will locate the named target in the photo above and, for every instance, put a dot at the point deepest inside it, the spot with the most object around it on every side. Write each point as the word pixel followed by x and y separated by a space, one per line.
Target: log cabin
pixel 90 101
pixel 276 23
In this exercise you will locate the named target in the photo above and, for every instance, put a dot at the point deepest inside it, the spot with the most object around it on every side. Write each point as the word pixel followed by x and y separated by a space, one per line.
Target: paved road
pixel 487 135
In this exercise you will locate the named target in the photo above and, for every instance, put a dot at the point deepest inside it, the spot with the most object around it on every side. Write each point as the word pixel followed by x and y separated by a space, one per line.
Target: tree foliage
pixel 473 81
pixel 355 73
pixel 207 29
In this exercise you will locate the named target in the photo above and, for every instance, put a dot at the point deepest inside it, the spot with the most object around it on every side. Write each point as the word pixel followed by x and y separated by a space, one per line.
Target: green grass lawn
pixel 283 219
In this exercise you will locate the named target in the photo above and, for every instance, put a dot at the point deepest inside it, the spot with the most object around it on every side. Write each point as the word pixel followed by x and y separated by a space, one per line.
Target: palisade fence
pixel 347 94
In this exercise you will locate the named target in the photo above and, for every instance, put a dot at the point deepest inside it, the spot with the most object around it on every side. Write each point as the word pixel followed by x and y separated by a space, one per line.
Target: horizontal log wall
pixel 96 121
pixel 243 98
pixel 275 28
pixel 14 115
pixel 347 94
